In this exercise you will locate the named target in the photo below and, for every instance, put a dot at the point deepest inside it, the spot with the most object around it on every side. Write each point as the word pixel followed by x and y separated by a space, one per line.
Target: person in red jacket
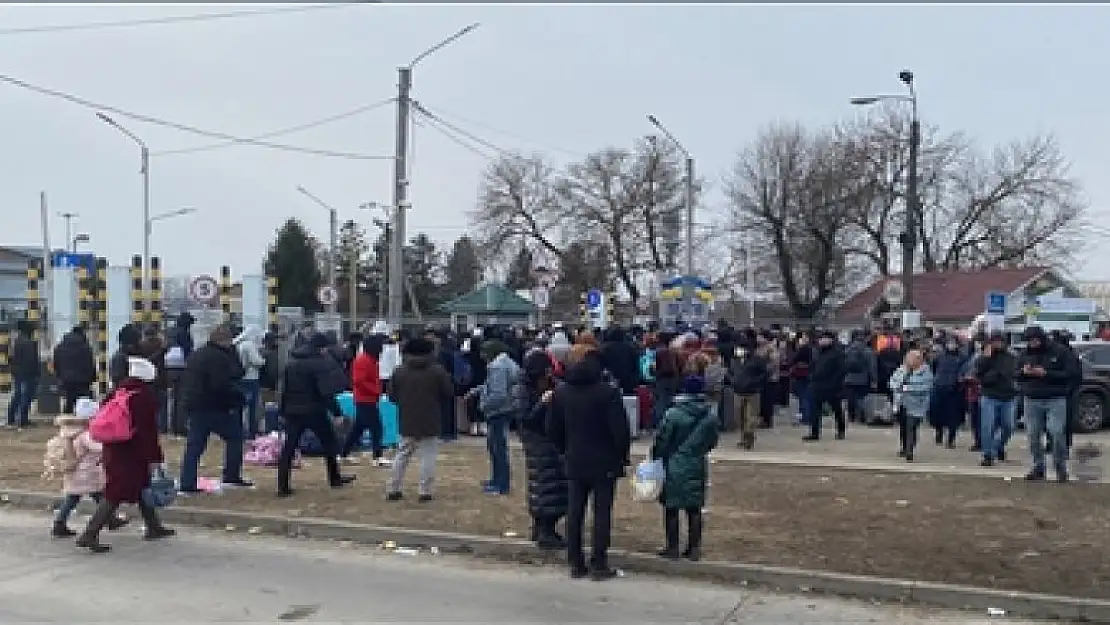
pixel 366 382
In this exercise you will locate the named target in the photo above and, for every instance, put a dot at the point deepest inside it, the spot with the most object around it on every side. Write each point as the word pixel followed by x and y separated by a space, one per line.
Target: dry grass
pixel 963 530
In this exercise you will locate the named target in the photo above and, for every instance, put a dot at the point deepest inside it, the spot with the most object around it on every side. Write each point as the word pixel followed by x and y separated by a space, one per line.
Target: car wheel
pixel 1089 413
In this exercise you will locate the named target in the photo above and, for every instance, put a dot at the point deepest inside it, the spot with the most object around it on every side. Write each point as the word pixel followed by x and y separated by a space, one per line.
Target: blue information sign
pixel 996 303
pixel 593 298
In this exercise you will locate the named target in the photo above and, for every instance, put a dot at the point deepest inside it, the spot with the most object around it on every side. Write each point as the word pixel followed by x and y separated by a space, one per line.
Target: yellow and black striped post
pixel 99 334
pixel 138 311
pixel 271 304
pixel 225 291
pixel 155 296
pixel 5 366
pixel 611 305
pixel 34 295
pixel 583 313
pixel 85 287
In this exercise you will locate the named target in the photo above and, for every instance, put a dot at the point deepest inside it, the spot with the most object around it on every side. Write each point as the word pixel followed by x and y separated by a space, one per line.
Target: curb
pixel 1021 604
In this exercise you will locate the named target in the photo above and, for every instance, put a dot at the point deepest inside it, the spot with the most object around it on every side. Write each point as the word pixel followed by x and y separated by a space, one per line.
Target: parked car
pixel 1093 405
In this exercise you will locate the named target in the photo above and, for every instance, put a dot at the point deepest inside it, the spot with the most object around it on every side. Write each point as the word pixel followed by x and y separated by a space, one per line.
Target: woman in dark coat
pixel 547 481
pixel 127 465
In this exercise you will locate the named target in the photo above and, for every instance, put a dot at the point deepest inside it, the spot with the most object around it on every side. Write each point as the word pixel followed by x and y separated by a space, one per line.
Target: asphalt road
pixel 211 577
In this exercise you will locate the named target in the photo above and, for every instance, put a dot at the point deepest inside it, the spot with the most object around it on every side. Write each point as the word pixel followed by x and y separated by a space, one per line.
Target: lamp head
pixel 865 101
pixel 906 76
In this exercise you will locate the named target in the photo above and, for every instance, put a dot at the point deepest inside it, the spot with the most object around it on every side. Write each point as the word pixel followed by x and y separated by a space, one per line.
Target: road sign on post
pixel 996 303
pixel 327 295
pixel 204 290
pixel 597 313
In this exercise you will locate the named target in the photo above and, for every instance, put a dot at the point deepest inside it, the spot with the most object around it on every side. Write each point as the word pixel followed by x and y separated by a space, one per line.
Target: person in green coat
pixel 686 436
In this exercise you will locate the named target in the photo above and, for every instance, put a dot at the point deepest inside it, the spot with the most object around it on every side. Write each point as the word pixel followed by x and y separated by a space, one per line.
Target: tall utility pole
pixel 333 242
pixel 400 179
pixel 144 170
pixel 70 243
pixel 908 238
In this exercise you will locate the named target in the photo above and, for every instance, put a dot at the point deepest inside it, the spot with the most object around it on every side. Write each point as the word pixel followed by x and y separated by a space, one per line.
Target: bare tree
pixel 663 197
pixel 793 192
pixel 1018 206
pixel 517 202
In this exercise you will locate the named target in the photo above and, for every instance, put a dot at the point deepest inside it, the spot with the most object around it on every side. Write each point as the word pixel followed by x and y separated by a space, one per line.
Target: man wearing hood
pixel 249 349
pixel 587 425
pixel 75 367
pixel 947 410
pixel 620 358
pixel 499 399
pixel 129 338
pixel 214 404
pixel 183 334
pixel 826 384
pixel 312 381
pixel 994 370
pixel 421 388
pixel 1045 374
pixel 861 373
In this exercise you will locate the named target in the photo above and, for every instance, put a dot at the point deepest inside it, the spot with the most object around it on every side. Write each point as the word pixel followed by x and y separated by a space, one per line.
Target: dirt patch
pixel 962 530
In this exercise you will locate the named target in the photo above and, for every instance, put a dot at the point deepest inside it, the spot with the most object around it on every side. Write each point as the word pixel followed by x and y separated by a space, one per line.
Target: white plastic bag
pixel 647 480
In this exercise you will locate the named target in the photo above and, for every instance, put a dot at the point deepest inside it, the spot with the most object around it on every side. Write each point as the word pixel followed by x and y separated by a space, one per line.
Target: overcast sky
pixel 561 80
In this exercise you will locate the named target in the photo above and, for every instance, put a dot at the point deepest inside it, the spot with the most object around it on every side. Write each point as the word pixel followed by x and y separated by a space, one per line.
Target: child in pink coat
pixel 76 456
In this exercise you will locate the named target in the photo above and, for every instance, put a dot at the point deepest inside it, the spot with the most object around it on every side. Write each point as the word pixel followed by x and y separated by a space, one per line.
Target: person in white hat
pixel 128 465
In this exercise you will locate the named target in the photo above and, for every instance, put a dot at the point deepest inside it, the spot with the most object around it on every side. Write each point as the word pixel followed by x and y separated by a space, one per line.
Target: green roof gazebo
pixel 490 304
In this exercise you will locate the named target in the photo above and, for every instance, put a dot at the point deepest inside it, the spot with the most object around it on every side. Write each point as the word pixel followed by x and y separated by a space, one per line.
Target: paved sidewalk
pixel 869 448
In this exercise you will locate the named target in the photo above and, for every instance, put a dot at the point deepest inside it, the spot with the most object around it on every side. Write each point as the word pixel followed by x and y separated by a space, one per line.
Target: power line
pixel 435 118
pixel 173 19
pixel 182 127
pixel 454 139
pixel 506 133
pixel 284 131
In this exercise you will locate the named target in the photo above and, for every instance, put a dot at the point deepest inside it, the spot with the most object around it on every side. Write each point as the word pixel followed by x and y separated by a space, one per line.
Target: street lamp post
pixel 689 192
pixel 79 238
pixel 145 171
pixel 400 177
pixel 68 218
pixel 913 205
pixel 333 244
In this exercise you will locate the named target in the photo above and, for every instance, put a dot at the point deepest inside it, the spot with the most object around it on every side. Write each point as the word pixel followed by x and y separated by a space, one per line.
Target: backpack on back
pixel 503 393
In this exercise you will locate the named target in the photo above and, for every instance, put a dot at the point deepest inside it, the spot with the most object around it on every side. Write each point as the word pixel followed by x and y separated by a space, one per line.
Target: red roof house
pixel 950 296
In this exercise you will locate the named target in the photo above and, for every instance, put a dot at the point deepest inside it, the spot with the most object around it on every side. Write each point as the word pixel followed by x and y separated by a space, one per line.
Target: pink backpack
pixel 112 423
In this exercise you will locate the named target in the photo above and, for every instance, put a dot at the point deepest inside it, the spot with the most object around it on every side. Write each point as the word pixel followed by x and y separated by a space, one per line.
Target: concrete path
pixel 211 577
pixel 872 448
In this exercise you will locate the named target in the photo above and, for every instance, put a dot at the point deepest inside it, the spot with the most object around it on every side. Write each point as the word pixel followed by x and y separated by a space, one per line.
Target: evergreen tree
pixel 520 271
pixel 293 259
pixel 462 267
pixel 353 248
pixel 424 273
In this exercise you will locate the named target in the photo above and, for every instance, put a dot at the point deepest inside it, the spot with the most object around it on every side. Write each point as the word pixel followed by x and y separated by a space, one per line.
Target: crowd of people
pixel 564 392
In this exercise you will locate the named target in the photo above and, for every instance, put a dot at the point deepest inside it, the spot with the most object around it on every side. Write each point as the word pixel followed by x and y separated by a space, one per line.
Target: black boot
pixel 60 530
pixel 90 538
pixel 546 537
pixel 154 528
pixel 693 548
pixel 670 530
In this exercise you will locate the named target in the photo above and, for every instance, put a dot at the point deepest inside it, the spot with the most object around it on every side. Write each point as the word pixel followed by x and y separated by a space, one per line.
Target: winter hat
pixel 318 341
pixel 141 369
pixel 129 335
pixel 85 409
pixel 419 347
pixel 693 385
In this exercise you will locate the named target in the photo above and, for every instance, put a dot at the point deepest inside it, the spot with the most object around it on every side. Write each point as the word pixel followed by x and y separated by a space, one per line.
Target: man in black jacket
pixel 312 380
pixel 826 385
pixel 25 370
pixel 213 402
pixel 1046 374
pixel 749 373
pixel 996 369
pixel 588 426
pixel 75 367
pixel 1063 340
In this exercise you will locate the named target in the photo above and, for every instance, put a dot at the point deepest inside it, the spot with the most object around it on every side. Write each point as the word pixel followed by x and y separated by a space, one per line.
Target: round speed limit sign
pixel 203 289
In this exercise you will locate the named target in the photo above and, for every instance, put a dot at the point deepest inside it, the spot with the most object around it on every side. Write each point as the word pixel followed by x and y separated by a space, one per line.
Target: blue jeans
pixel 497 443
pixel 69 504
pixel 996 425
pixel 19 408
pixel 251 392
pixel 805 400
pixel 1047 415
pixel 228 426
